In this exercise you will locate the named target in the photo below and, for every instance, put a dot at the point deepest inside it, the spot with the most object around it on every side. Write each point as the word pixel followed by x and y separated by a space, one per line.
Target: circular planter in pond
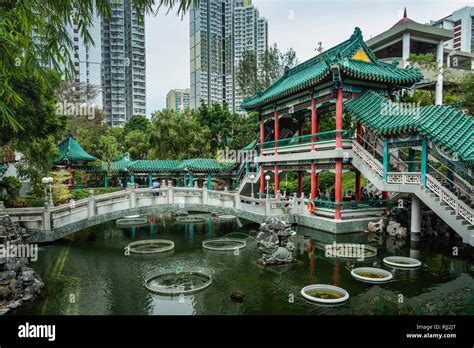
pixel 173 283
pixel 402 262
pixel 131 221
pixel 226 217
pixel 131 216
pixel 190 219
pixel 325 294
pixel 371 274
pixel 224 244
pixel 150 246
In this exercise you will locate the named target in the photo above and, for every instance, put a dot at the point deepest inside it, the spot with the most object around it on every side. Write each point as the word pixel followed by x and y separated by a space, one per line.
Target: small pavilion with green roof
pixel 72 155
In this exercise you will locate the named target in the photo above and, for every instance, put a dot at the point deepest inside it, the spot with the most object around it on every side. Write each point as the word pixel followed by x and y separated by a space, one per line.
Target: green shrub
pixel 78 194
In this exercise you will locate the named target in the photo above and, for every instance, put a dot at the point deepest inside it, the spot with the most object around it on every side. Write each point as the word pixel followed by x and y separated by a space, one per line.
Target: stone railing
pixel 446 196
pixel 51 218
pixel 460 208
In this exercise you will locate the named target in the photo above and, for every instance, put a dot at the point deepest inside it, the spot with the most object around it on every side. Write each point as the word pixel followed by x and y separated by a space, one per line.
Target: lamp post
pixel 252 177
pixel 48 181
pixel 267 178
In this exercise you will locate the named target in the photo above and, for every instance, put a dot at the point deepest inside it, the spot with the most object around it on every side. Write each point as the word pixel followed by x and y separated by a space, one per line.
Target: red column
pixel 277 137
pixel 86 181
pixel 339 118
pixel 385 197
pixel 313 180
pixel 69 181
pixel 358 186
pixel 277 180
pixel 314 121
pixel 300 130
pixel 300 183
pixel 262 140
pixel 276 130
pixel 359 132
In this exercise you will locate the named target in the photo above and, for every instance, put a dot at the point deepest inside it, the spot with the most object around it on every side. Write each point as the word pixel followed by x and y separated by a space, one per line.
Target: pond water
pixel 88 273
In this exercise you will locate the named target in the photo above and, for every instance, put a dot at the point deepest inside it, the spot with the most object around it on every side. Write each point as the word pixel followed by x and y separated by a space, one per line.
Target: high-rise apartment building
pixel 462 23
pixel 220 32
pixel 123 64
pixel 178 99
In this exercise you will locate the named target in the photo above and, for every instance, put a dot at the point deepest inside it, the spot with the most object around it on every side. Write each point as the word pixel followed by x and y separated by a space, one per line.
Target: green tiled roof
pixel 71 150
pixel 206 165
pixel 318 68
pixel 445 125
pixel 155 166
pixel 159 166
pixel 3 167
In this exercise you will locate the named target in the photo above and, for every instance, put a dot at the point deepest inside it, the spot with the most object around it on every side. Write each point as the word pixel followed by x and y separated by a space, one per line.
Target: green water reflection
pixel 88 273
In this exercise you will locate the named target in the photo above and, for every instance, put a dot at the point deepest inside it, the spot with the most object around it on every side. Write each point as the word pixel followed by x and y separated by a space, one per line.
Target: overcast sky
pixel 300 24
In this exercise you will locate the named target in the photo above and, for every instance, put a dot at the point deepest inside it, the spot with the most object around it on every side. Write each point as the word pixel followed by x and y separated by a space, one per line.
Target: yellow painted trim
pixel 361 55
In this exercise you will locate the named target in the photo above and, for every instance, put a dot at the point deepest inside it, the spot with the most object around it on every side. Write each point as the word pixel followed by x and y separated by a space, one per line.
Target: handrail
pixel 451 195
pixel 314 135
pixel 452 182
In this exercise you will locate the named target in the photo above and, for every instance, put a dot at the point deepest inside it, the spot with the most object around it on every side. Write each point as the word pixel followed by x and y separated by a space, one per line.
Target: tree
pixel 247 74
pixel 137 144
pixel 137 122
pixel 245 129
pixel 218 119
pixel 59 188
pixel 467 92
pixel 108 151
pixel 35 32
pixel 41 129
pixel 178 136
pixel 272 67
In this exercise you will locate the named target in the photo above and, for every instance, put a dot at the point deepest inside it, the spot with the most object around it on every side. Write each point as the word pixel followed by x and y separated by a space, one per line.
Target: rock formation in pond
pixel 275 239
pixel 18 282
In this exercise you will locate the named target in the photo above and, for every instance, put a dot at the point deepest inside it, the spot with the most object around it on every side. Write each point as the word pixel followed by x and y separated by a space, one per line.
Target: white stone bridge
pixel 51 223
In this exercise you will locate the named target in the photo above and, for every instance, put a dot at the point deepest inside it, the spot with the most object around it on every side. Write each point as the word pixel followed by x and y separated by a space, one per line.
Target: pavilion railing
pixel 307 138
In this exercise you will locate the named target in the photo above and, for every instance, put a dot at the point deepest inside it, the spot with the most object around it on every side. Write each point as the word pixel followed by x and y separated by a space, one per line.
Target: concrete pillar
pixel 338 188
pixel 415 218
pixel 237 201
pixel 386 159
pixel 91 205
pixel 439 79
pixel 205 195
pixel 170 195
pixel 46 218
pixel 406 49
pixel 133 197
